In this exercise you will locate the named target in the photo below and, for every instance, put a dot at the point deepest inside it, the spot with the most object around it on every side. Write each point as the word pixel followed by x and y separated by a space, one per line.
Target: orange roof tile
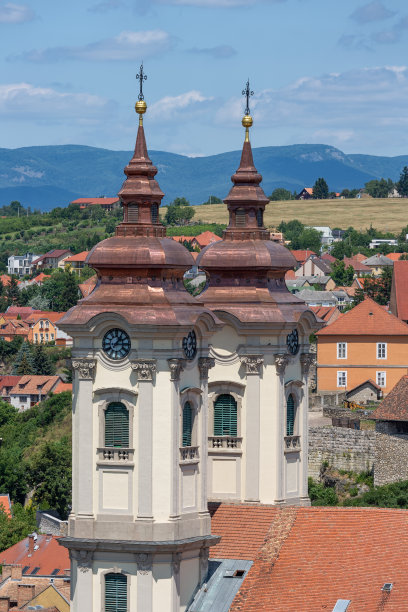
pixel 366 319
pixel 356 265
pixel 290 275
pixel 395 406
pixel 328 314
pixel 328 257
pixel 359 257
pixel 8 381
pixel 62 386
pixel 394 256
pixel 5 504
pixel 35 385
pixel 78 257
pixel 49 556
pixel 91 201
pixel 301 255
pixel 309 190
pixel 88 286
pixel 41 277
pixel 399 292
pixel 52 317
pixel 182 238
pixel 206 238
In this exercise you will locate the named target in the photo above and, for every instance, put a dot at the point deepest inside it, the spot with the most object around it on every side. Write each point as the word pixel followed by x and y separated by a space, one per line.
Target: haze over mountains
pixel 49 176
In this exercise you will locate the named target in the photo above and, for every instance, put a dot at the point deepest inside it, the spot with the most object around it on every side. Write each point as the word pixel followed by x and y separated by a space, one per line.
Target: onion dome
pixel 246 269
pixel 140 271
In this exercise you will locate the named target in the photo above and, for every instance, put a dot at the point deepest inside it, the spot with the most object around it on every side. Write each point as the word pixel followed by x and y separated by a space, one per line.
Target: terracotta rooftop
pixel 5 503
pixel 41 277
pixel 91 201
pixel 359 257
pixel 290 275
pixel 358 266
pixel 326 313
pixel 88 286
pixel 394 256
pixel 8 381
pixel 62 386
pixel 399 290
pixel 206 238
pixel 301 255
pixel 308 558
pixel 48 557
pixel 38 315
pixel 78 257
pixel 328 257
pixel 13 311
pixel 395 406
pixel 366 319
pixel 35 385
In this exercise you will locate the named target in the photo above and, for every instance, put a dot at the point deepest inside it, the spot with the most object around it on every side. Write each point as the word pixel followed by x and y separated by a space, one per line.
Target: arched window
pixel 133 213
pixel 240 217
pixel 225 416
pixel 155 213
pixel 290 415
pixel 259 217
pixel 116 593
pixel 187 424
pixel 117 426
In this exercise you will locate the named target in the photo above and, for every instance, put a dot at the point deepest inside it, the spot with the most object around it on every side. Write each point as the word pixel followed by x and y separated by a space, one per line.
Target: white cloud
pixel 127 46
pixel 170 106
pixel 15 13
pixel 26 102
pixel 373 11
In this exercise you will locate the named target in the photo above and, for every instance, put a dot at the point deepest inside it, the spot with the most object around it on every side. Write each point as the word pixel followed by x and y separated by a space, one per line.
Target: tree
pixel 61 290
pixel 341 275
pixel 379 189
pixel 280 194
pixel 179 202
pixel 42 366
pixel 212 200
pixel 24 355
pixel 291 229
pixel 402 185
pixel 320 190
pixel 179 212
pixel 38 302
pixel 17 527
pixel 13 293
pixel 309 238
pixel 379 288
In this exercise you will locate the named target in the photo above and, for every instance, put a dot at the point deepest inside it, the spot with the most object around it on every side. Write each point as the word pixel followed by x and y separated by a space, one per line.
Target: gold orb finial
pixel 247 122
pixel 247 119
pixel 140 108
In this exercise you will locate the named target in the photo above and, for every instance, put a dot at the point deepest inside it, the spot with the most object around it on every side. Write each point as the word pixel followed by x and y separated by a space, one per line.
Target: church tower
pixel 258 389
pixel 139 530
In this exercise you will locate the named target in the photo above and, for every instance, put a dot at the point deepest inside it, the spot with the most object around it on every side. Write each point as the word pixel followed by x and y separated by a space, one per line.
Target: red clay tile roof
pixel 399 292
pixel 395 406
pixel 351 291
pixel 311 557
pixel 182 238
pixel 49 556
pixel 16 327
pixel 356 265
pixel 78 257
pixel 290 275
pixel 47 315
pixel 309 190
pixel 34 385
pixel 359 257
pixel 394 256
pixel 366 319
pixel 301 255
pixel 206 238
pixel 88 286
pixel 13 311
pixel 328 257
pixel 326 313
pixel 61 387
pixel 5 504
pixel 41 277
pixel 8 381
pixel 95 201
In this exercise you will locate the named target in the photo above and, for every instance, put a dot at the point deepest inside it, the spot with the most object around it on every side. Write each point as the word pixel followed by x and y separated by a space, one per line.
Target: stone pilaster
pixel 281 361
pixel 253 368
pixel 176 366
pixel 144 581
pixel 204 365
pixel 83 594
pixel 306 361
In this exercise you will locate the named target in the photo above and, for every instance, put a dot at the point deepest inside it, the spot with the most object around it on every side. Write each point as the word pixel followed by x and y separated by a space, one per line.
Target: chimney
pixel 4 604
pixel 16 572
pixel 25 592
pixel 6 572
pixel 30 544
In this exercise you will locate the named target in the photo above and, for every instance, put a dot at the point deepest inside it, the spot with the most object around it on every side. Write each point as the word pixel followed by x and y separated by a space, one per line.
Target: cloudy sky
pixel 323 71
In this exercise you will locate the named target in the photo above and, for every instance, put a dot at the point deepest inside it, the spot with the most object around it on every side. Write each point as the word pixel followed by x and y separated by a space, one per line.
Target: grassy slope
pixel 388 214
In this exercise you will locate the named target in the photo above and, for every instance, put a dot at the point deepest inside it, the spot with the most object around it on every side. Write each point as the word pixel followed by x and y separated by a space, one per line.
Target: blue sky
pixel 323 71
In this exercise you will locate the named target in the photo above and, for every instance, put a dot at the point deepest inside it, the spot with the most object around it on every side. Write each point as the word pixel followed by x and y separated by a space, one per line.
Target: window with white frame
pixel 342 350
pixel 381 379
pixel 381 350
pixel 341 378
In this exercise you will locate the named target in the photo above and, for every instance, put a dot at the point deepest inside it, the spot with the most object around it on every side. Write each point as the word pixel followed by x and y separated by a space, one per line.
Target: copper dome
pixel 246 254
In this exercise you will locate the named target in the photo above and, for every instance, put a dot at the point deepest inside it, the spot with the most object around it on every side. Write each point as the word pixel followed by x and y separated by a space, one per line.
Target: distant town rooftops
pixel 95 201
pixel 35 385
pixel 78 257
pixel 47 557
pixel 54 254
pixel 378 260
pixel 301 255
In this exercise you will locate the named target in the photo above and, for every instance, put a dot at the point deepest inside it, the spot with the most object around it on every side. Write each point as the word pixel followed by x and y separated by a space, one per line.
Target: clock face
pixel 116 343
pixel 190 345
pixel 292 342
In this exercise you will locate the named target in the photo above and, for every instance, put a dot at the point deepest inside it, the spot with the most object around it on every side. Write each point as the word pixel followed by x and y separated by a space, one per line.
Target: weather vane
pixel 246 92
pixel 141 76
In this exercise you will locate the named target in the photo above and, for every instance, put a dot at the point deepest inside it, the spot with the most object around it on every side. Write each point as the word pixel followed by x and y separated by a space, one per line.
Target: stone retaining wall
pixel 391 458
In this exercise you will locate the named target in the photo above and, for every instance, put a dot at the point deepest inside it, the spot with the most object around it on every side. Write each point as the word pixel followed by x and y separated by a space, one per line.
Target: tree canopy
pixel 379 189
pixel 341 275
pixel 281 194
pixel 402 185
pixel 320 189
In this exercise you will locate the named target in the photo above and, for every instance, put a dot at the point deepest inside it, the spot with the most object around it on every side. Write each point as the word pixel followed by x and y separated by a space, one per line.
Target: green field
pixel 389 214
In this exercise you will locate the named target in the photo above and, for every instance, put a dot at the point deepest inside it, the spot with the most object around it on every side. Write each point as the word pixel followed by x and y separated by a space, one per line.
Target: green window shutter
pixel 225 416
pixel 117 426
pixel 290 415
pixel 187 424
pixel 115 593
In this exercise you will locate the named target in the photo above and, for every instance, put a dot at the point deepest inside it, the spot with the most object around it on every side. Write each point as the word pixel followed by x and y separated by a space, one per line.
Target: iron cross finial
pixel 141 76
pixel 247 92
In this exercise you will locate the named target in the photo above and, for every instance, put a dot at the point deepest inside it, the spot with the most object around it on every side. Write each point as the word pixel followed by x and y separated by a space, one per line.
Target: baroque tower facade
pixel 139 530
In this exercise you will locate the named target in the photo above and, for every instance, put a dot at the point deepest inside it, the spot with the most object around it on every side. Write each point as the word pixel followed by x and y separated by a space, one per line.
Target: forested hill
pixel 50 176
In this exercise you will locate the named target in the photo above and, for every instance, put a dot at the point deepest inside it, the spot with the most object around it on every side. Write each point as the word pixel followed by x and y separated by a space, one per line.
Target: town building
pixel 181 392
pixel 20 265
pixel 326 234
pixel 10 328
pixel 53 259
pixel 311 297
pixel 377 263
pixel 77 262
pixel 107 204
pixel 314 266
pixel 7 383
pixel 328 314
pixel 366 342
pixel 305 194
pixel 301 255
pixel 32 389
pixel 360 269
pixel 399 291
pixel 43 326
pixel 378 242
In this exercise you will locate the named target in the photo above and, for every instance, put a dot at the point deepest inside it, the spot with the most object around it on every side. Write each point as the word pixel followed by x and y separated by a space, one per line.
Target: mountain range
pixel 48 176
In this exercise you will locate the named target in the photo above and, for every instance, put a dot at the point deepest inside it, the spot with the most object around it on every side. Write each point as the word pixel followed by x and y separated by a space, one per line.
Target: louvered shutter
pixel 133 213
pixel 155 213
pixel 117 426
pixel 240 217
pixel 259 217
pixel 225 416
pixel 115 593
pixel 187 424
pixel 290 415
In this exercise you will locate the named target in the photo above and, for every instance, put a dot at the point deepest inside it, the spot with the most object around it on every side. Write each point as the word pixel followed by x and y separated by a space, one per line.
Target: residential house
pixel 204 239
pixel 322 283
pixel 53 259
pixel 314 266
pixel 277 237
pixel 377 242
pixel 302 255
pixel 21 264
pixel 366 342
pixel 377 263
pixel 305 194
pixel 360 269
pixel 32 389
pixel 29 568
pixel 338 234
pixel 23 312
pixel 77 262
pixel 6 385
pixel 399 290
pixel 328 258
pixel 394 256
pixel 365 392
pixel 297 284
pixel 327 235
pixel 318 298
pixel 106 203
pixel 328 314
pixel 43 326
pixel 10 328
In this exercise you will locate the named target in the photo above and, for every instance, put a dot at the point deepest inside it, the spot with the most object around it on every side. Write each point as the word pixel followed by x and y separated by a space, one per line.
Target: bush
pixel 321 495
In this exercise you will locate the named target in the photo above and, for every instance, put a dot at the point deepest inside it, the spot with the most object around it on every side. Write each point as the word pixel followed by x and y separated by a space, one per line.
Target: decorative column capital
pixel 205 364
pixel 144 563
pixel 176 560
pixel 176 367
pixel 85 368
pixel 281 361
pixel 83 559
pixel 306 361
pixel 145 368
pixel 253 363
